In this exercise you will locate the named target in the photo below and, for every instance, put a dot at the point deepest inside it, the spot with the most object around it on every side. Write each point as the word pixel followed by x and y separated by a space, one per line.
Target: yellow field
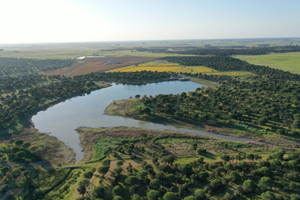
pixel 229 73
pixel 164 67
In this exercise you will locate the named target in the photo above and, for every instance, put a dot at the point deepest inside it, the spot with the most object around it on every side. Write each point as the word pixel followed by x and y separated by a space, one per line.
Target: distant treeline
pixel 9 84
pixel 224 51
pixel 22 66
pixel 133 78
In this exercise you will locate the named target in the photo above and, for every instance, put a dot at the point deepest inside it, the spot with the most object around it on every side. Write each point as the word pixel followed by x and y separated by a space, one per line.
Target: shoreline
pixel 125 108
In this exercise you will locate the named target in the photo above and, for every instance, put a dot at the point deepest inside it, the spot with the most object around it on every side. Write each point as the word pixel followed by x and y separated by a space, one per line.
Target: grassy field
pixel 284 61
pixel 163 67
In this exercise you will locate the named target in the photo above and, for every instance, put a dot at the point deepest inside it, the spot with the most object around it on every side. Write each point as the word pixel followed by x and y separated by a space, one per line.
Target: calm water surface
pixel 62 119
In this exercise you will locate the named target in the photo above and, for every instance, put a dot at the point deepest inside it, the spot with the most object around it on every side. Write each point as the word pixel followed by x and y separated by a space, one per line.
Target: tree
pixel 189 198
pixel 117 171
pixel 201 151
pixel 268 196
pixel 155 184
pixel 194 146
pixel 216 184
pixel 296 123
pixel 199 194
pixel 292 186
pixel 169 196
pixel 292 164
pixel 295 197
pixel 170 178
pixel 265 171
pixel 19 142
pixel 225 157
pixel 117 190
pixel 136 197
pixel 118 198
pixel 235 177
pixel 103 170
pixel 131 180
pixel 106 162
pixel 153 195
pixel 248 186
pixel 264 183
pixel 203 176
pixel 81 189
pixel 250 156
pixel 88 174
pixel 227 196
pixel 98 192
pixel 186 169
pixel 120 163
pixel 168 159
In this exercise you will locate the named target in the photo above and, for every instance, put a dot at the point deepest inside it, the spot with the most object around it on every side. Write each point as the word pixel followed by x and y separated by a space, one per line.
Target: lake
pixel 62 119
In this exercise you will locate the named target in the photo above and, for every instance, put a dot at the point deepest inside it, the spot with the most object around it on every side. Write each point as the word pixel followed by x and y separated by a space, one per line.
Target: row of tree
pixel 267 105
pixel 223 50
pixel 225 63
pixel 21 66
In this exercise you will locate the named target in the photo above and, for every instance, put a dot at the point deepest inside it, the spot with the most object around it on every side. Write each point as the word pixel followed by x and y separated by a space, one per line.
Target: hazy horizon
pixel 77 21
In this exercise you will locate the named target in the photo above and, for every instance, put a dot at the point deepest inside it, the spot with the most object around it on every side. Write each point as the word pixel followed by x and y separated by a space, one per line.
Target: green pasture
pixel 283 61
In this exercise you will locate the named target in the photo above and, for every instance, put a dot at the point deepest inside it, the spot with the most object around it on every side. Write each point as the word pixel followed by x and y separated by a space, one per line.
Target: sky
pixel 43 21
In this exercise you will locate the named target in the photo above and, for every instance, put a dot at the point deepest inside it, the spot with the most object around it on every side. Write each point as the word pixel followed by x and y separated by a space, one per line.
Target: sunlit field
pixel 284 61
pixel 163 67
pixel 174 67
